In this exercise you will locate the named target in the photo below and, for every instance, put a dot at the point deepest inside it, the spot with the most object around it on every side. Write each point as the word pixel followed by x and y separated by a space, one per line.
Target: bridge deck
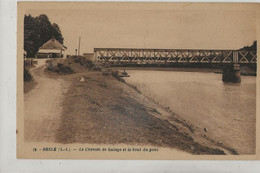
pixel 128 55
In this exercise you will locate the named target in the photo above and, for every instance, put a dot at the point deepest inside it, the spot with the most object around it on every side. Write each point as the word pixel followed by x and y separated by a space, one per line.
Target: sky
pixel 162 28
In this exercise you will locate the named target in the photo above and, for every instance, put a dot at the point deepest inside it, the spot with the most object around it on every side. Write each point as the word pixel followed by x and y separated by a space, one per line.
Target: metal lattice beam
pixel 173 56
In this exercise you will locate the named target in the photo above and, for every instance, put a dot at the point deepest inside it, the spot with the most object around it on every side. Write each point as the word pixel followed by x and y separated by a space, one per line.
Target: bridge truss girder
pixel 173 56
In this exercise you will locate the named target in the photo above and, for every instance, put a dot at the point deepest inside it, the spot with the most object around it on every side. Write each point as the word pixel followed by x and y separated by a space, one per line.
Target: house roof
pixel 49 51
pixel 53 44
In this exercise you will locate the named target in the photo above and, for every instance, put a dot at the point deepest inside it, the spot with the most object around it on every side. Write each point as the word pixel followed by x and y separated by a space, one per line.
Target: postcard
pixel 137 81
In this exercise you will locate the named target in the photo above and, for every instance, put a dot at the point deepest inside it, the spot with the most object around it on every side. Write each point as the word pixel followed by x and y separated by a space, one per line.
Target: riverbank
pixel 99 109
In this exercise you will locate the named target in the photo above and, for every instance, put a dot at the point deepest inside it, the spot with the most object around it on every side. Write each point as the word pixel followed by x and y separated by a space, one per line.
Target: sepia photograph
pixel 137 80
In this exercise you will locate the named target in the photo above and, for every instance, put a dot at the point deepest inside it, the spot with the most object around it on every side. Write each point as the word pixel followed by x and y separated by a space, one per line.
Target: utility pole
pixel 79 47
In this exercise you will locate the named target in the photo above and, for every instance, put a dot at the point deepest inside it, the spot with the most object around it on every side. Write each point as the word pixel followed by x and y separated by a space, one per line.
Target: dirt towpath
pixel 42 106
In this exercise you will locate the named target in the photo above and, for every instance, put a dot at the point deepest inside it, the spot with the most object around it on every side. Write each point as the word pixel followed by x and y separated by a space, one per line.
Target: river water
pixel 227 110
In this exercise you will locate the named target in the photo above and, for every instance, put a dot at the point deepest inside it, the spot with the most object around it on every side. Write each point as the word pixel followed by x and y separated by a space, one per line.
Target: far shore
pixel 244 71
pixel 182 69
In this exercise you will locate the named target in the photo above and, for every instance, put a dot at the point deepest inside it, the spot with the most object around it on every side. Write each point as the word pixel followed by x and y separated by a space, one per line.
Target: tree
pixel 57 33
pixel 253 47
pixel 31 35
pixel 37 31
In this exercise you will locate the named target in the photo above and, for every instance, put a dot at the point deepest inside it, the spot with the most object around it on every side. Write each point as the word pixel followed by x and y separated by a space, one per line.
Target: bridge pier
pixel 231 73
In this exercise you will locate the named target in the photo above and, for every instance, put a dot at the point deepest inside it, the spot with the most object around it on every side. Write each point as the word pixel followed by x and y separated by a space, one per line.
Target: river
pixel 227 110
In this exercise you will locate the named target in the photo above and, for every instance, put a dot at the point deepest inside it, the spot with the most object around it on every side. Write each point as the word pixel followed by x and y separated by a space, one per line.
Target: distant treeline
pixel 250 48
pixel 37 31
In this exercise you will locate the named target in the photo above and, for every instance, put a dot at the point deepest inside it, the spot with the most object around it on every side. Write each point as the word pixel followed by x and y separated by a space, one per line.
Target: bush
pixel 84 62
pixel 60 68
pixel 64 69
pixel 27 77
pixel 115 75
pixel 96 68
pixel 105 73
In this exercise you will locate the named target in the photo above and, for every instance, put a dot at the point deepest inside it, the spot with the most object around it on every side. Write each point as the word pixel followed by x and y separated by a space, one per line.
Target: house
pixel 52 49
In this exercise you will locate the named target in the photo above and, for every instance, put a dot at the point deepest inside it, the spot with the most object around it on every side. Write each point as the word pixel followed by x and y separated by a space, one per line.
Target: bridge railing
pixel 173 56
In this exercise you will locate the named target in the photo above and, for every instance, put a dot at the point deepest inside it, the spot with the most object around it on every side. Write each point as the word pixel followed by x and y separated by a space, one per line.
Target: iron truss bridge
pixel 158 56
